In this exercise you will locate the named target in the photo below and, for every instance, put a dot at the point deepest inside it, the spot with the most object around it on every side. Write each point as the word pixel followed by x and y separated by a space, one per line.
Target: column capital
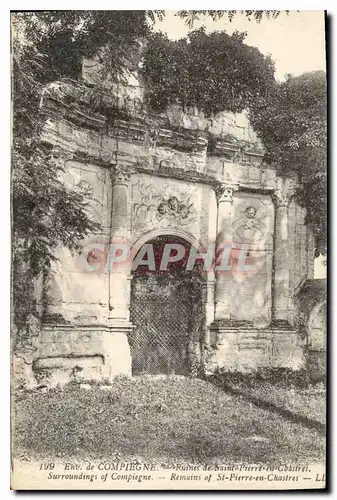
pixel 120 175
pixel 224 192
pixel 283 193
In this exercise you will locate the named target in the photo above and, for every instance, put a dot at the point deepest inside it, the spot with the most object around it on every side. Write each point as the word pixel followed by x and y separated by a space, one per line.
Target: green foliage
pixel 299 392
pixel 218 72
pixel 48 46
pixel 191 16
pixel 45 213
pixel 279 378
pixel 214 72
pixel 189 418
pixel 60 39
pixel 292 124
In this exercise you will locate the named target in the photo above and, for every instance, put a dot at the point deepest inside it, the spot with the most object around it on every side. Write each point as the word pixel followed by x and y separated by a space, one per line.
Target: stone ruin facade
pixel 179 175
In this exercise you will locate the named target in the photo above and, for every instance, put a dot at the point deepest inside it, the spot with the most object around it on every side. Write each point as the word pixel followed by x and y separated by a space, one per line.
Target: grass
pixel 168 419
pixel 309 403
pixel 292 391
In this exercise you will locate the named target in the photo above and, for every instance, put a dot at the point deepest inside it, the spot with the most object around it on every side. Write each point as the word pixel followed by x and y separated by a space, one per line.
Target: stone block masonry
pixel 180 177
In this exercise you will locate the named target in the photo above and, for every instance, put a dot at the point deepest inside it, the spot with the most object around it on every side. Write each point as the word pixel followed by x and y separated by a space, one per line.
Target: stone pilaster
pixel 208 289
pixel 120 219
pixel 120 275
pixel 224 237
pixel 282 257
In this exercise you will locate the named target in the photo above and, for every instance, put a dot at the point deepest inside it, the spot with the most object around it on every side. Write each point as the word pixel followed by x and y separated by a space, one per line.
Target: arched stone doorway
pixel 168 313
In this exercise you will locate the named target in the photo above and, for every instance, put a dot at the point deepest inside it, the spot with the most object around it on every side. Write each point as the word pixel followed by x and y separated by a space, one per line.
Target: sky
pixel 295 41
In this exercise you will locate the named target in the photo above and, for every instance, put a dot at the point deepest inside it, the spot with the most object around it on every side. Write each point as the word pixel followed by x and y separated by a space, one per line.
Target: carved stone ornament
pixel 282 194
pixel 224 192
pixel 119 175
pixel 84 188
pixel 59 156
pixel 154 209
pixel 153 132
pixel 174 210
pixel 247 229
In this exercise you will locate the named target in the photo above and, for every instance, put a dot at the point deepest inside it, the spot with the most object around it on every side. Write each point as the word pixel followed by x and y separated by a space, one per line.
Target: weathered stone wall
pixel 85 352
pixel 251 298
pixel 133 163
pixel 195 213
pixel 302 245
pixel 247 349
pixel 312 318
pixel 130 94
pixel 73 294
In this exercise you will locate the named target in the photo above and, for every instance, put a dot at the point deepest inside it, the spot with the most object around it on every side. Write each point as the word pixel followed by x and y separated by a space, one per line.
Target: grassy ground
pixel 299 396
pixel 309 403
pixel 169 418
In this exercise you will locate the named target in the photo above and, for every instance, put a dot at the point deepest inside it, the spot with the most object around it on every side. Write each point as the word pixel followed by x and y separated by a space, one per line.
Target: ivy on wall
pixel 215 72
pixel 218 72
pixel 292 124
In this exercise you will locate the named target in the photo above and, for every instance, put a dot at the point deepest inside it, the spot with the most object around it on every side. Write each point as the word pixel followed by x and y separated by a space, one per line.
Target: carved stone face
pixel 173 203
pixel 250 212
pixel 162 208
pixel 183 211
pixel 84 188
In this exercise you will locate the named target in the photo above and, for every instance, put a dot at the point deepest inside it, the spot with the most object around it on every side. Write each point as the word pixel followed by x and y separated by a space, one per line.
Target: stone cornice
pixel 231 149
pixel 81 105
pixel 151 165
pixel 142 154
pixel 69 146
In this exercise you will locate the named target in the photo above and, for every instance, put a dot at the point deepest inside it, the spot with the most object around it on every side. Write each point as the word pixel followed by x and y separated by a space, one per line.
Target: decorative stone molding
pixel 59 156
pixel 282 194
pixel 83 187
pixel 191 167
pixel 263 174
pixel 127 118
pixel 224 192
pixel 281 198
pixel 153 132
pixel 120 175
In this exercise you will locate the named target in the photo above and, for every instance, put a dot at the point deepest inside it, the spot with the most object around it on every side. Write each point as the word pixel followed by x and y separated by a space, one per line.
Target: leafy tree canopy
pixel 218 72
pixel 215 72
pixel 191 16
pixel 293 126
